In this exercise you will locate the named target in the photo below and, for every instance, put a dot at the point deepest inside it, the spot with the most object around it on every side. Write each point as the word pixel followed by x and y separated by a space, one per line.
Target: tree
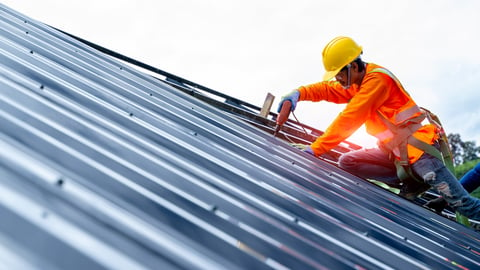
pixel 456 147
pixel 462 151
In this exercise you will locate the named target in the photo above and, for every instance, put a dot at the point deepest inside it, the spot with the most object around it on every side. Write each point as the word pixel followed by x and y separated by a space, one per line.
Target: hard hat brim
pixel 330 74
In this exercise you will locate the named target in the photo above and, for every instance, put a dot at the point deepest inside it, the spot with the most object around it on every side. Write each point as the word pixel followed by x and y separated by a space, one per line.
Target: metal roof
pixel 105 166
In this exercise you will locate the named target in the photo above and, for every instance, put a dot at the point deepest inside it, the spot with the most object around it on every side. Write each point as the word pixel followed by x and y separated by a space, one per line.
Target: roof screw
pixel 131 114
pixel 60 182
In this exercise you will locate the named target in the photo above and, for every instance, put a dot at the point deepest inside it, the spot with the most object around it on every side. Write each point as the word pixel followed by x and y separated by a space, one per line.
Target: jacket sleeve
pixel 330 91
pixel 372 94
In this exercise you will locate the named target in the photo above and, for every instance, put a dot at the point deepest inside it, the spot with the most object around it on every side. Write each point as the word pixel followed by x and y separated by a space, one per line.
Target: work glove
pixel 304 147
pixel 309 150
pixel 293 96
pixel 299 146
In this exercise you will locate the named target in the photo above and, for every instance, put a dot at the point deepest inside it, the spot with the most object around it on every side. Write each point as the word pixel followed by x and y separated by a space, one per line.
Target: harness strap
pixel 404 171
pixel 427 148
pixel 443 141
pixel 445 153
pixel 401 133
pixel 403 137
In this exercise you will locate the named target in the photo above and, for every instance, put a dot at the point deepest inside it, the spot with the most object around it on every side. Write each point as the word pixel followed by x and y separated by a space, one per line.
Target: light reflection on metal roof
pixel 107 167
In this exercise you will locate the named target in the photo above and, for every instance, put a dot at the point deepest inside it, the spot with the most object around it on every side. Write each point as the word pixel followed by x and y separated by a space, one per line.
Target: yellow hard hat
pixel 338 53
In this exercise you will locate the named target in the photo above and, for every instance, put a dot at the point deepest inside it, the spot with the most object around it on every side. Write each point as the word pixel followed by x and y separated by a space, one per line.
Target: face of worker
pixel 355 76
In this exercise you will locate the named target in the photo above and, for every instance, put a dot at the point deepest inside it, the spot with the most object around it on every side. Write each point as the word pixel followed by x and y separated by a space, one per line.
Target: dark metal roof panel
pixel 106 167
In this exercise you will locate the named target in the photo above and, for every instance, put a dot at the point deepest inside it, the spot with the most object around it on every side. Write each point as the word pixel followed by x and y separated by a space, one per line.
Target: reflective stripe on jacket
pixel 379 93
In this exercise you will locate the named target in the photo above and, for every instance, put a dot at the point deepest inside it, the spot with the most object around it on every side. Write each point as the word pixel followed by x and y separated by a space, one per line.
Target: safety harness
pixel 403 136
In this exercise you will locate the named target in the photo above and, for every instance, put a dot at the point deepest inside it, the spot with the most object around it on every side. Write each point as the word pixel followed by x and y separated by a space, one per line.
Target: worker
pixel 470 182
pixel 375 97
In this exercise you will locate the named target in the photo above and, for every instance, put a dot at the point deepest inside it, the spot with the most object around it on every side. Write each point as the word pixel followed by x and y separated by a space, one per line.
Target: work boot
pixel 437 204
pixel 411 189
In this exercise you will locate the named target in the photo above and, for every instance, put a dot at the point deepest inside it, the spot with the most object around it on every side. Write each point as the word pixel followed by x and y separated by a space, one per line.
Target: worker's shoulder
pixel 372 68
pixel 376 72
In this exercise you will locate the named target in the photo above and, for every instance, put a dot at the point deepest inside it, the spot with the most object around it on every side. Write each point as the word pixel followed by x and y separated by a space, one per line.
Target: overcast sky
pixel 247 48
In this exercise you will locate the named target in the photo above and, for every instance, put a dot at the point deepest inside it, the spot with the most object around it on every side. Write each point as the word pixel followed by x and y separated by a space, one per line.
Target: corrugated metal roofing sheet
pixel 106 167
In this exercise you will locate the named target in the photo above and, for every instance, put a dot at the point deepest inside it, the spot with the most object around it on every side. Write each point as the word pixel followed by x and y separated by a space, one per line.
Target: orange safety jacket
pixel 380 95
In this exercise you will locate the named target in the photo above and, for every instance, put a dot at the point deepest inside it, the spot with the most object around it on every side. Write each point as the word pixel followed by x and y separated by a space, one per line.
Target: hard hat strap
pixel 349 76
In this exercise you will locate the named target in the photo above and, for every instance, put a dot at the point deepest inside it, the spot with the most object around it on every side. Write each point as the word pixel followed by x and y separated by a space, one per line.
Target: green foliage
pixel 462 152
pixel 476 193
pixel 465 157
pixel 462 169
pixel 470 151
pixel 456 147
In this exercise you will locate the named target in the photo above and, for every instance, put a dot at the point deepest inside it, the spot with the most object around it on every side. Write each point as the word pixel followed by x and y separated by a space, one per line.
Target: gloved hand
pixel 299 146
pixel 304 147
pixel 309 150
pixel 293 96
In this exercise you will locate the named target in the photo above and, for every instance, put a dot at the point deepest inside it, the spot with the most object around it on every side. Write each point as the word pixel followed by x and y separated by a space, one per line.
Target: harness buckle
pixel 403 163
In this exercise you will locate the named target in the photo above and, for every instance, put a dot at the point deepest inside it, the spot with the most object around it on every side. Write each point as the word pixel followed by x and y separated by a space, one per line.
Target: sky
pixel 249 48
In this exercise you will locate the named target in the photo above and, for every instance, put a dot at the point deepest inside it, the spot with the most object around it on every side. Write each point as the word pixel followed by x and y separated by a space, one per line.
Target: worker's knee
pixel 347 162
